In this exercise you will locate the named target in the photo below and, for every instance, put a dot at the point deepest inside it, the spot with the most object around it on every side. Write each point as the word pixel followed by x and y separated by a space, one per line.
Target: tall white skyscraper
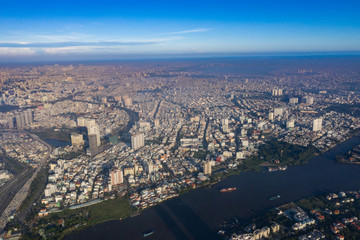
pixel 137 141
pixel 317 124
pixel 96 131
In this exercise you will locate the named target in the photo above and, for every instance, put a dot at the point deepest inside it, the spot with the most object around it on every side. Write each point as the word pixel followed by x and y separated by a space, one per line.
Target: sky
pixel 71 30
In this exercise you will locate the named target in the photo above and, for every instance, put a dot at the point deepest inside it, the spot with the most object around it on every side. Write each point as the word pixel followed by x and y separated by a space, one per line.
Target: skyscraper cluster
pixel 22 119
pixel 93 133
pixel 277 92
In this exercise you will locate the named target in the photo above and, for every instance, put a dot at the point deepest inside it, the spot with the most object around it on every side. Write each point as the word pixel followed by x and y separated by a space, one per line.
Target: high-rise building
pixel 290 123
pixel 143 126
pixel 240 155
pixel 127 101
pixel 118 98
pixel 309 100
pixel 271 116
pixel 11 122
pixel 116 177
pixel 277 92
pixel 81 122
pixel 93 144
pixel 149 167
pixel 293 100
pixel 129 171
pixel 89 123
pixel 137 141
pixel 278 111
pixel 31 116
pixel 225 125
pixel 95 130
pixel 28 117
pixel 22 115
pixel 104 100
pixel 317 124
pixel 207 168
pixel 19 121
pixel 156 123
pixel 243 132
pixel 274 92
pixel 77 140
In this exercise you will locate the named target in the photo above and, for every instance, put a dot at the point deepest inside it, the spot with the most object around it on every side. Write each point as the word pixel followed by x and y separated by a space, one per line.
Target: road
pixel 14 192
pixel 12 187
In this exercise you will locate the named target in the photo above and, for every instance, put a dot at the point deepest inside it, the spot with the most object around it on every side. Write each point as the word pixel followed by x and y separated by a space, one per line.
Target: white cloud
pixel 17 51
pixel 190 31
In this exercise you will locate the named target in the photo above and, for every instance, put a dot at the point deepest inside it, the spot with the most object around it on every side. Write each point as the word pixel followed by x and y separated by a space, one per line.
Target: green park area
pixel 58 225
pixel 58 134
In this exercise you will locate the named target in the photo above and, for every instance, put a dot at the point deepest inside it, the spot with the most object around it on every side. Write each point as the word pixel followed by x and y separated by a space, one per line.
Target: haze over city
pixel 235 120
pixel 82 30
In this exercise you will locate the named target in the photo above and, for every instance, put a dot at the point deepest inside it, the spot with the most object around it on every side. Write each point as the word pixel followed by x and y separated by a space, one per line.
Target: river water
pixel 197 214
pixel 57 143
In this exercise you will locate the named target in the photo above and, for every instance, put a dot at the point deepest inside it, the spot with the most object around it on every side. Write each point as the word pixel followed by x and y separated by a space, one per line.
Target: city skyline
pixel 108 30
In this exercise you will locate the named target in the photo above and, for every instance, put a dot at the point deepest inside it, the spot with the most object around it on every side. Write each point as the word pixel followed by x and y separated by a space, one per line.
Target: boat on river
pixel 274 197
pixel 146 234
pixel 229 189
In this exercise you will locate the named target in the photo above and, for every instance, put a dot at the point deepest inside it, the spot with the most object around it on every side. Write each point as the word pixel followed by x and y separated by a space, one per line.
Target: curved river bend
pixel 197 214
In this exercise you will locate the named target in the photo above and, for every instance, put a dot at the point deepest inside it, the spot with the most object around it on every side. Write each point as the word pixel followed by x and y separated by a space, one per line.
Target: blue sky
pixel 111 29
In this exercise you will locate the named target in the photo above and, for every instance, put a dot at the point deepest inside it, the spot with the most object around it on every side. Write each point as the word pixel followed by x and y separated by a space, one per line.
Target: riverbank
pixel 199 212
pixel 75 220
pixel 216 179
pixel 58 225
pixel 329 215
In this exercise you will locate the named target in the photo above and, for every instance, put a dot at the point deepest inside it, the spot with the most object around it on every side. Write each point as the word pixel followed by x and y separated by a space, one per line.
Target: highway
pixel 15 191
pixel 8 191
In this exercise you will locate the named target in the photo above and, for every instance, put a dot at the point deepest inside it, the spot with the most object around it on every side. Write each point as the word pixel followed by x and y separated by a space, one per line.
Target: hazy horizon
pixel 111 30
